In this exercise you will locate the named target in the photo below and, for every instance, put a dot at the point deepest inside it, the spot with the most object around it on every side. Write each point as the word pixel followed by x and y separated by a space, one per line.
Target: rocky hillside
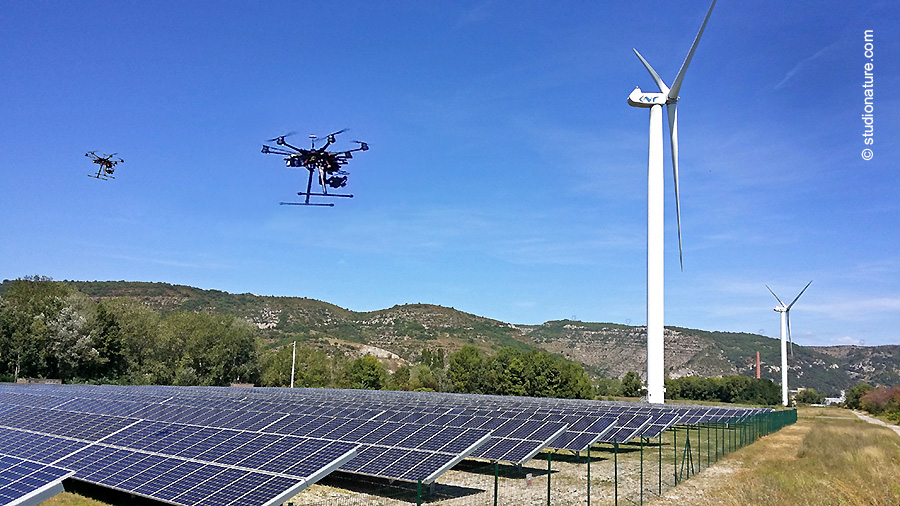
pixel 605 349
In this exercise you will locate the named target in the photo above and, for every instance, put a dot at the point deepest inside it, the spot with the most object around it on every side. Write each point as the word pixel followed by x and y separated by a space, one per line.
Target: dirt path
pixel 869 419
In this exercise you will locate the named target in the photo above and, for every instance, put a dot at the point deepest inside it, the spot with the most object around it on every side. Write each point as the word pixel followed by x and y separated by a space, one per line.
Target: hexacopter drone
pixel 327 164
pixel 106 163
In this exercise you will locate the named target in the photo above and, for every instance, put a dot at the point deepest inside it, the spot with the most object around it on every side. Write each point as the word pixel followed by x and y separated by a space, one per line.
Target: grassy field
pixel 829 457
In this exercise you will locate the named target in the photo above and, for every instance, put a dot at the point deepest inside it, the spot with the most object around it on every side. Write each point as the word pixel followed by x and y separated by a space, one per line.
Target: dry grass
pixel 827 458
pixel 70 499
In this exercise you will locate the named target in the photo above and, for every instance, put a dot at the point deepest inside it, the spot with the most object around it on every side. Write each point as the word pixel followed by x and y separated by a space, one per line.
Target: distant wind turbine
pixel 785 311
pixel 655 209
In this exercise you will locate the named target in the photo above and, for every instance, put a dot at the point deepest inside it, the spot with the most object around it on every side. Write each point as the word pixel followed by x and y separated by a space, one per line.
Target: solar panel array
pixel 238 446
pixel 24 482
pixel 406 451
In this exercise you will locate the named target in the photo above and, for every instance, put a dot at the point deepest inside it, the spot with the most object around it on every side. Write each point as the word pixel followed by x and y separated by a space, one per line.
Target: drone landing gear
pixel 308 195
pixel 329 204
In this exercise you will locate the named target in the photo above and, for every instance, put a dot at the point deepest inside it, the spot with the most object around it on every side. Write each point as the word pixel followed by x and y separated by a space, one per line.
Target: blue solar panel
pixel 659 423
pixel 25 483
pixel 627 427
pixel 254 430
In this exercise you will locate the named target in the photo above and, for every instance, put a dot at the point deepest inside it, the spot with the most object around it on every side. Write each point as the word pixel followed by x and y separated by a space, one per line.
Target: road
pixel 869 419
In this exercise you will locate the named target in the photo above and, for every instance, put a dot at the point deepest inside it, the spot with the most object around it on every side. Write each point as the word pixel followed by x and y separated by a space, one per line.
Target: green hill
pixel 605 349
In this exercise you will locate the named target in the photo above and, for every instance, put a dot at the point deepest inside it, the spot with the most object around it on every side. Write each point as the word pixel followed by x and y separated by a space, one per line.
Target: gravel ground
pixel 472 482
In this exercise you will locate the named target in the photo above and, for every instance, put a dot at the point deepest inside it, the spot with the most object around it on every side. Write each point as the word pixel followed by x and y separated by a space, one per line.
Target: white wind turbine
pixel 786 336
pixel 655 209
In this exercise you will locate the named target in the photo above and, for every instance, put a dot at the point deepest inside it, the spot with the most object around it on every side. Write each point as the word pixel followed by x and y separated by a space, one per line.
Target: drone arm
pixel 292 147
pixel 275 151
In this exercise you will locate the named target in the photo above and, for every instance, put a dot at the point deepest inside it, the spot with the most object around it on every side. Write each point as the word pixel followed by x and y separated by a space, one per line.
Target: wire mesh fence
pixel 608 474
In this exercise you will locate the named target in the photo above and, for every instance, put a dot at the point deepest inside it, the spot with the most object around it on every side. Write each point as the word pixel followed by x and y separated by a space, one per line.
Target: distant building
pixel 39 381
pixel 829 401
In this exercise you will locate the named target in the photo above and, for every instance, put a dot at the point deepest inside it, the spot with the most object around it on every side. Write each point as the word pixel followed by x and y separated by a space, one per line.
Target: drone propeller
pixel 330 137
pixel 362 145
pixel 281 137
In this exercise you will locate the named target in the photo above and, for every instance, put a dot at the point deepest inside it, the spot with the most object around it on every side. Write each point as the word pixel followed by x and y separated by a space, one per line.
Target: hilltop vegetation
pixel 399 337
pixel 50 329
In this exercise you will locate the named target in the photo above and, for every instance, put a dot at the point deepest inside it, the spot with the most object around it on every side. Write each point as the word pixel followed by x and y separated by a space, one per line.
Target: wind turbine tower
pixel 785 311
pixel 655 209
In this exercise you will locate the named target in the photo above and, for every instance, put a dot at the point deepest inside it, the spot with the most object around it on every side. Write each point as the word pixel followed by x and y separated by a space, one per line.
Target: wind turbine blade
pixel 676 84
pixel 798 296
pixel 787 316
pixel 672 109
pixel 776 297
pixel 658 80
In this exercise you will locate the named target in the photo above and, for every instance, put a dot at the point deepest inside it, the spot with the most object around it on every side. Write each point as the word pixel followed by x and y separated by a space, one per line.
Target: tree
pixel 855 394
pixel 423 379
pixel 467 370
pixel 400 379
pixel 275 367
pixel 27 307
pixel 433 359
pixel 809 396
pixel 70 340
pixel 507 373
pixel 611 386
pixel 206 349
pixel 366 373
pixel 575 382
pixel 880 400
pixel 632 385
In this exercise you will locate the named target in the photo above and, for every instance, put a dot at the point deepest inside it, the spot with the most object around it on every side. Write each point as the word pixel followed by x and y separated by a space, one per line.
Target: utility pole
pixel 293 363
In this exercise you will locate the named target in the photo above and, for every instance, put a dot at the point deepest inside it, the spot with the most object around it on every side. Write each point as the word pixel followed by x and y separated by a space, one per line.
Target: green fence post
pixel 699 457
pixel 642 471
pixel 496 479
pixel 708 442
pixel 660 462
pixel 589 477
pixel 549 459
pixel 731 438
pixel 675 456
pixel 616 469
pixel 419 492
pixel 731 434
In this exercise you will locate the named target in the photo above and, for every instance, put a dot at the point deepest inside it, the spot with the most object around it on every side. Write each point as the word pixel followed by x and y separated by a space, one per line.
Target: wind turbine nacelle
pixel 637 98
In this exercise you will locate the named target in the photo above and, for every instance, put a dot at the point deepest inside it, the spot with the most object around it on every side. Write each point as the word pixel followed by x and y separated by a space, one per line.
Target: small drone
pixel 327 164
pixel 106 163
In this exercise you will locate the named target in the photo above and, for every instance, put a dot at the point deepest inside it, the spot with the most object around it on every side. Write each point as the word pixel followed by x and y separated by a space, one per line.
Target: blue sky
pixel 507 175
